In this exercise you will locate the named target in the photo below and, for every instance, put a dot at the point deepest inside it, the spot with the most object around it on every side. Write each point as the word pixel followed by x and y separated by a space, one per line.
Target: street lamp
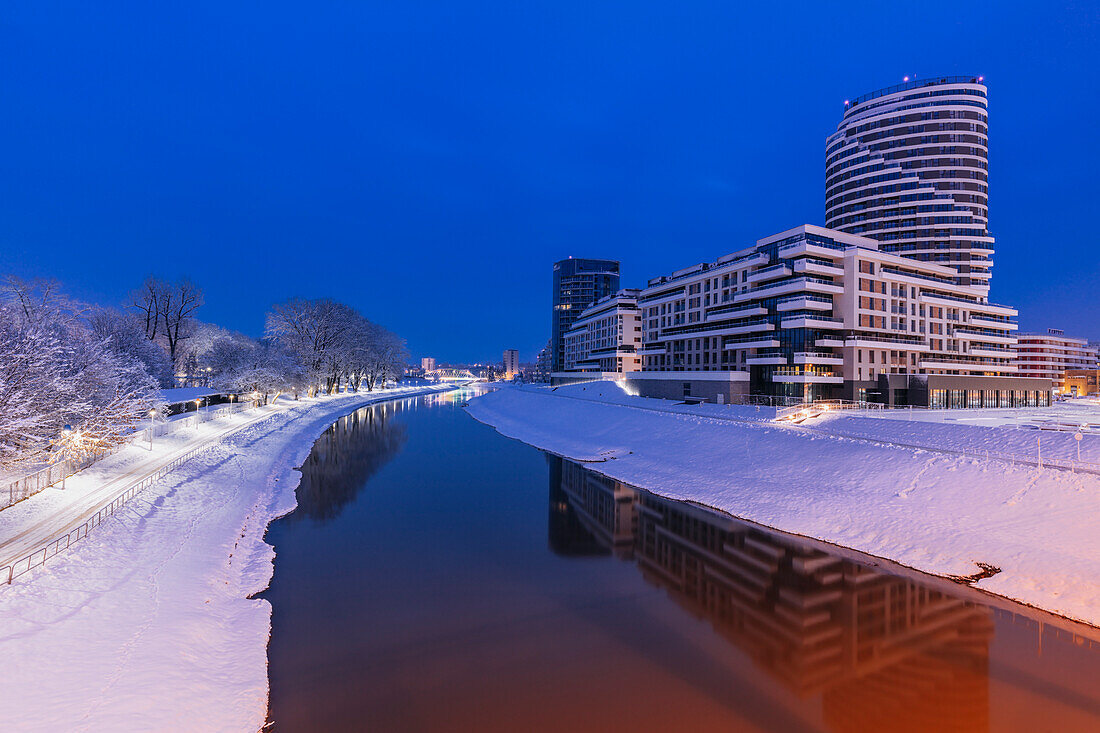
pixel 152 423
pixel 66 432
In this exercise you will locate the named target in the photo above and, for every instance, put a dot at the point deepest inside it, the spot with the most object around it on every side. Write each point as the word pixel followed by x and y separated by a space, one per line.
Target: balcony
pixel 817 357
pixel 815 321
pixel 804 302
pixel 976 335
pixel 713 329
pixel 724 312
pixel 968 363
pixel 992 351
pixel 775 272
pixel 880 340
pixel 817 267
pixel 785 287
pixel 800 375
pixel 979 319
pixel 761 359
pixel 751 342
pixel 804 247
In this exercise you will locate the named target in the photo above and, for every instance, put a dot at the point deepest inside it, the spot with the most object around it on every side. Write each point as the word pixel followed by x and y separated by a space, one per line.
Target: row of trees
pixel 99 370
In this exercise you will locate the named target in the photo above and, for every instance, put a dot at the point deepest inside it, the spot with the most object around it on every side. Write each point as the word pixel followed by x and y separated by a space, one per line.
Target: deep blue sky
pixel 427 162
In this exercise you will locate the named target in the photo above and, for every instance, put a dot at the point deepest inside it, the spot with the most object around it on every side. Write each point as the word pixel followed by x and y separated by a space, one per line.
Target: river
pixel 437 576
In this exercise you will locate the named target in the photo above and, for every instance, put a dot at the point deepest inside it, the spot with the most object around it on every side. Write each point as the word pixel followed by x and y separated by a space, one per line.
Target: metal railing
pixel 52 548
pixel 55 546
pixel 822 406
pixel 26 486
pixel 29 485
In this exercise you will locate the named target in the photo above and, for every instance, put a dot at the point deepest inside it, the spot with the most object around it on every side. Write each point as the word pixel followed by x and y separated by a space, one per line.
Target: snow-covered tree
pixel 123 333
pixel 56 371
pixel 336 344
pixel 266 368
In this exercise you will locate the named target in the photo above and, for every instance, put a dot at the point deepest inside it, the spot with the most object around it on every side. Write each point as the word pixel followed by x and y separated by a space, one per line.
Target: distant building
pixel 1081 382
pixel 1051 354
pixel 909 166
pixel 577 284
pixel 510 362
pixel 607 337
pixel 427 364
pixel 542 364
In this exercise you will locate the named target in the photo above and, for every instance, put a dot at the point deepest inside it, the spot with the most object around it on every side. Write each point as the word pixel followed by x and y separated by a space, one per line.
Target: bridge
pixel 454 375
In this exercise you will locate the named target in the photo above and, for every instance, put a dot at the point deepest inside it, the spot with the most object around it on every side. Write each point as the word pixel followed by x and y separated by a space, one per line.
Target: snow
pixel 183 394
pixel 917 492
pixel 148 623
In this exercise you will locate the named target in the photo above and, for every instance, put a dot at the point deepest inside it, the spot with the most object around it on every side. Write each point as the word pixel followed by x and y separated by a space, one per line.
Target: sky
pixel 427 163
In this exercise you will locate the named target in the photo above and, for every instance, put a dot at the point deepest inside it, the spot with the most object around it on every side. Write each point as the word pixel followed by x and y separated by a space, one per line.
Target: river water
pixel 437 576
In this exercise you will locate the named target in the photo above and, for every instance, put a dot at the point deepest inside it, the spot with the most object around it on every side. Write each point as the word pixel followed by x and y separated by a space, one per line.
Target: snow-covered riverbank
pixel 938 512
pixel 148 624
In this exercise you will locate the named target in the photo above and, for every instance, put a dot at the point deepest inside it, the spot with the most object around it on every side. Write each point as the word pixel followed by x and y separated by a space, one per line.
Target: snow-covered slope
pixel 147 624
pixel 937 512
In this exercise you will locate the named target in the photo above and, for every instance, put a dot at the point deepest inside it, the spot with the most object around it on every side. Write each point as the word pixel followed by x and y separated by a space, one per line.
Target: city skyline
pixel 630 149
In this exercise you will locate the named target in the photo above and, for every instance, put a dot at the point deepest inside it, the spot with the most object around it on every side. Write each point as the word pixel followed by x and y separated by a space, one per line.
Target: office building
pixel 813 313
pixel 908 166
pixel 1081 382
pixel 1049 355
pixel 606 337
pixel 510 362
pixel 577 284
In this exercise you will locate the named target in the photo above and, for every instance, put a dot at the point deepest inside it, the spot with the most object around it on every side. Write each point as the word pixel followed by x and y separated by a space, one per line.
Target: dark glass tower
pixel 577 285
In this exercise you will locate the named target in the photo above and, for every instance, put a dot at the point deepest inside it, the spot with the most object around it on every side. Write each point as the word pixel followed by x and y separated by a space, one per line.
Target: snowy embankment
pixel 941 513
pixel 148 623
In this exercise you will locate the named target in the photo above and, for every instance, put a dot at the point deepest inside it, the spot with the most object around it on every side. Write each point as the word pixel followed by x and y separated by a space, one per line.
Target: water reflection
pixel 882 651
pixel 430 601
pixel 352 450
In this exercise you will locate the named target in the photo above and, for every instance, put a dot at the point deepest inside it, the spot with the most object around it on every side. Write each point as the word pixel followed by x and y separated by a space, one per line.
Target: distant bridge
pixel 454 375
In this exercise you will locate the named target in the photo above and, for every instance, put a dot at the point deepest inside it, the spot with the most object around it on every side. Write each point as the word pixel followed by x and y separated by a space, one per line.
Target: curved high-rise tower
pixel 909 166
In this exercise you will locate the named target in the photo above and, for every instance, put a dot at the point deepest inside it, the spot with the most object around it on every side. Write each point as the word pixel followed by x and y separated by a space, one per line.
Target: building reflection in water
pixel 883 652
pixel 351 451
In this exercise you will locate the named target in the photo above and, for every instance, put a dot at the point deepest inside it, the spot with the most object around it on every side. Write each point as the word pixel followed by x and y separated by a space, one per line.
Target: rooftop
pixel 850 104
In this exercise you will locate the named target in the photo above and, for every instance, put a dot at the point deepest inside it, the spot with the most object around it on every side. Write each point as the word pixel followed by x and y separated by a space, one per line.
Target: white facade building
pixel 606 337
pixel 909 167
pixel 815 313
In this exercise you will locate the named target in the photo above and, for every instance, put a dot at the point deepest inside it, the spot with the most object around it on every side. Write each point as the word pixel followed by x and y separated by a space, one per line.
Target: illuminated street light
pixel 65 433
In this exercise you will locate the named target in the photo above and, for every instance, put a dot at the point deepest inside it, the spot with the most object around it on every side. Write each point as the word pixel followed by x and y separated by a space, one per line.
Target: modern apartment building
pixel 510 362
pixel 427 363
pixel 908 166
pixel 1049 355
pixel 606 337
pixel 577 284
pixel 815 313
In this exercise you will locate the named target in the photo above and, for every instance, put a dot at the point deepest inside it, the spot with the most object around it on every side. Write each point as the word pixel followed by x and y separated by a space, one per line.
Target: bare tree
pixel 167 311
pixel 146 301
pixel 177 314
pixel 316 331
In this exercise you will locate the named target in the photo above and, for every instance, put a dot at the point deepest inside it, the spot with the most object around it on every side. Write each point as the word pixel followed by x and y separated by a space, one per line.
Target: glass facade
pixel 577 284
